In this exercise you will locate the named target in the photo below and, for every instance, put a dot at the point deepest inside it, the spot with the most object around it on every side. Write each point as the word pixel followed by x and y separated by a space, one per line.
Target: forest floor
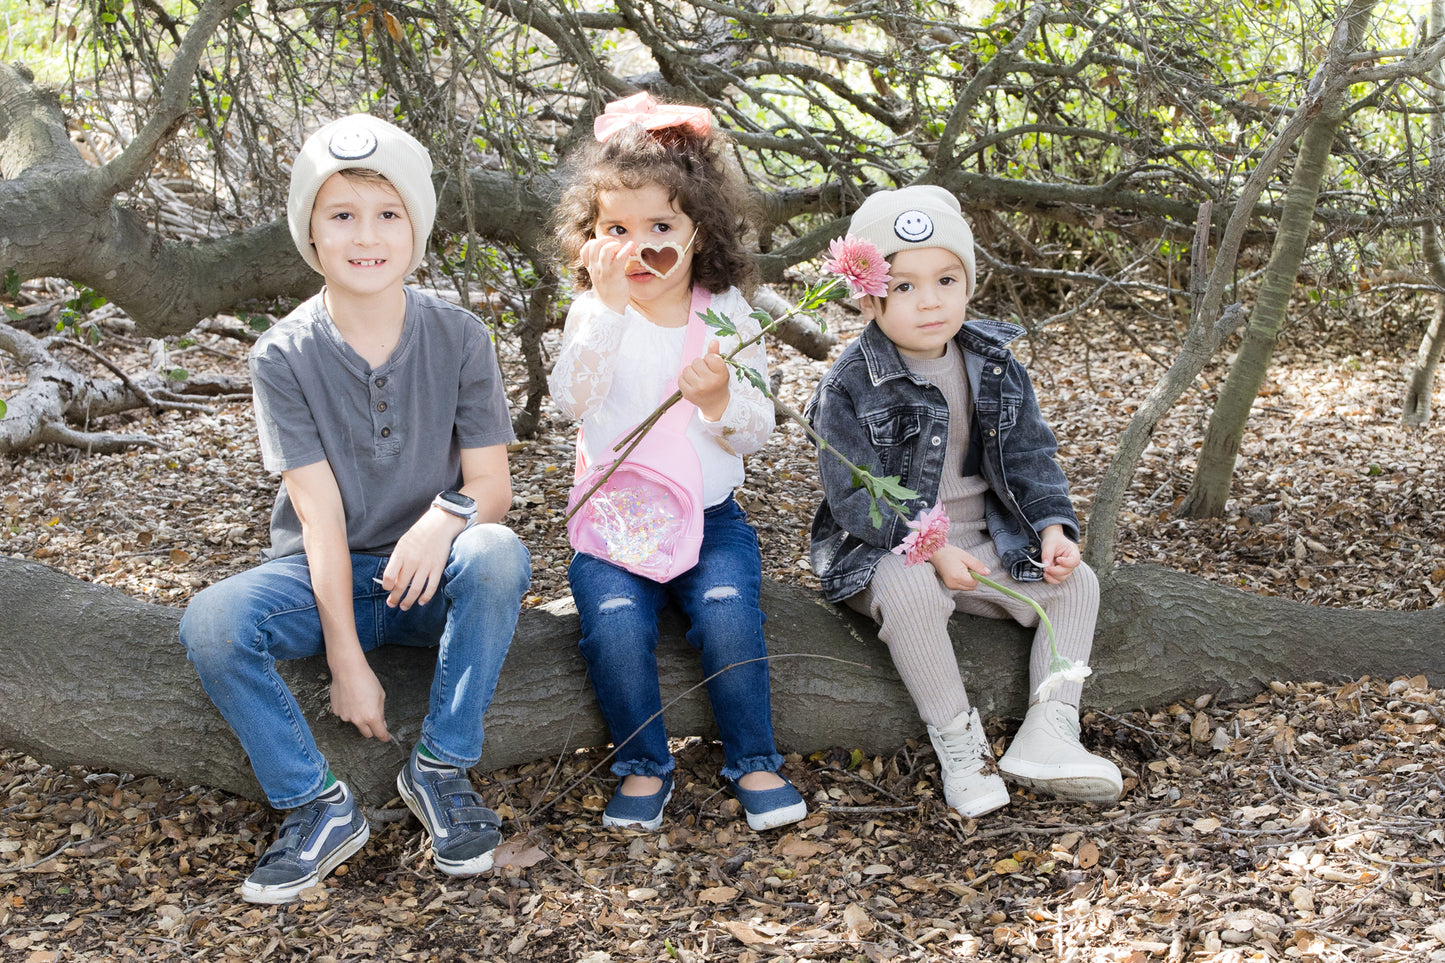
pixel 1304 823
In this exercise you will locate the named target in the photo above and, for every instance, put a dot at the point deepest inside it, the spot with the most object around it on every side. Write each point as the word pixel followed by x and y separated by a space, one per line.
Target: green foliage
pixel 722 325
pixel 820 294
pixel 72 317
pixel 36 35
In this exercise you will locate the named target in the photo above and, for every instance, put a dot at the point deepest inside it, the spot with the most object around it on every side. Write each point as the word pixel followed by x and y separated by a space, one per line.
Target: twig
pixel 867 782
pixel 148 399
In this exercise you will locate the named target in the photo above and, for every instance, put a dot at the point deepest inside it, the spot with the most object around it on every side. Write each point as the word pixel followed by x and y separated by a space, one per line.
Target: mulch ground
pixel 1304 823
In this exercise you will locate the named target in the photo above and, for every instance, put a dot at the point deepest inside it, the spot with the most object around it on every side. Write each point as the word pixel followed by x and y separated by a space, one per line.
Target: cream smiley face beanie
pixel 362 141
pixel 916 217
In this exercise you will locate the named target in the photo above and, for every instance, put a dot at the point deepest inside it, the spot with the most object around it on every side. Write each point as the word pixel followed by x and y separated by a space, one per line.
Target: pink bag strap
pixel 679 414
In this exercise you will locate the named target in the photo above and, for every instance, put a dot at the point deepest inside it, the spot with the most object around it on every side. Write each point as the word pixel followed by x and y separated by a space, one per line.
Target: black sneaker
pixel 313 840
pixel 463 831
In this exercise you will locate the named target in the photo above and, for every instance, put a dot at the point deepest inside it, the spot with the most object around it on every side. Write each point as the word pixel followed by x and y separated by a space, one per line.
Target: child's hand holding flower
pixel 957 569
pixel 705 382
pixel 1059 553
pixel 927 541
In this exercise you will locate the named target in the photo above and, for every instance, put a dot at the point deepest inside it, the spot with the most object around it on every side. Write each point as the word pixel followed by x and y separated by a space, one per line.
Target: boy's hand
pixel 358 698
pixel 414 571
pixel 955 568
pixel 705 382
pixel 1060 555
pixel 606 260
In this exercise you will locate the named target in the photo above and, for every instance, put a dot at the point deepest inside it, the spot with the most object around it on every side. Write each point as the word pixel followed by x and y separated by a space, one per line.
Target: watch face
pixel 457 499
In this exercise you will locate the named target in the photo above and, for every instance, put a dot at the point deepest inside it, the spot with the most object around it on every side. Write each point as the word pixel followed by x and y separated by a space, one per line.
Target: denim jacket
pixel 878 414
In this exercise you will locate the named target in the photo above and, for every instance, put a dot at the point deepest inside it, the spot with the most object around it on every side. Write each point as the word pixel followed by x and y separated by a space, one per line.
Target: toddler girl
pixel 654 209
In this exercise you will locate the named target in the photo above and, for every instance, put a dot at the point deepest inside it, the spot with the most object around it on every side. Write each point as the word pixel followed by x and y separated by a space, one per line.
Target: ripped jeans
pixel 719 596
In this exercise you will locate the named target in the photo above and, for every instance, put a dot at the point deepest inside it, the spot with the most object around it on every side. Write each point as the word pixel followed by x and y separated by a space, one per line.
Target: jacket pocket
pixel 1009 407
pixel 894 435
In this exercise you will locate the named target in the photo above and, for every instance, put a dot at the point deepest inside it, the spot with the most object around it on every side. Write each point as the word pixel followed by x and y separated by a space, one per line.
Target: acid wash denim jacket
pixel 882 417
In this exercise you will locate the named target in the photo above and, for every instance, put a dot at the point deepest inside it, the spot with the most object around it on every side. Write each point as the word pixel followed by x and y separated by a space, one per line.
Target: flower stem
pixel 1043 617
pixel 792 413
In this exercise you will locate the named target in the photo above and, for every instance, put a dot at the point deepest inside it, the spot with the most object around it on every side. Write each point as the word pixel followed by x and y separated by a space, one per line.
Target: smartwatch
pixel 455 503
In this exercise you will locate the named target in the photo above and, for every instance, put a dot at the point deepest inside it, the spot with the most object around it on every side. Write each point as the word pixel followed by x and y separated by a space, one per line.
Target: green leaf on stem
pixel 831 289
pixel 753 376
pixel 721 324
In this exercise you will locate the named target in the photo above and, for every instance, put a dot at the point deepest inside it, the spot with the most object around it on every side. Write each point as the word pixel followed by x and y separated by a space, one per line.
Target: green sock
pixel 332 791
pixel 426 753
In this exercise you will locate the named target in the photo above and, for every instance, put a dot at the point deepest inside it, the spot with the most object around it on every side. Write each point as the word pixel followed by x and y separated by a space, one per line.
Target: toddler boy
pixel 940 401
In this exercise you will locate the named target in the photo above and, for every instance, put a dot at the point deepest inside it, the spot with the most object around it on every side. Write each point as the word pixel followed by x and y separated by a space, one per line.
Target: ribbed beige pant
pixel 912 608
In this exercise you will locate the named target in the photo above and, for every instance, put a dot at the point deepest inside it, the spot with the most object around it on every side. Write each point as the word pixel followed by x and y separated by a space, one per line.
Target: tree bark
pixel 1416 413
pixel 1209 491
pixel 96 677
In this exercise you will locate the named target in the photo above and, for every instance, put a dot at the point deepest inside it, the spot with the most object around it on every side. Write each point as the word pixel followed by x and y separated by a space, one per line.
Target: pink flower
pixel 930 533
pixel 859 263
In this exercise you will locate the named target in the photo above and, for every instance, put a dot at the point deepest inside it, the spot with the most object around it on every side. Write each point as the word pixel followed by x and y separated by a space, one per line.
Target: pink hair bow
pixel 644 110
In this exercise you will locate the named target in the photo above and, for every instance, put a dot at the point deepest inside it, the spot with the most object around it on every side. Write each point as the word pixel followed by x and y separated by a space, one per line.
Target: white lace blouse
pixel 613 368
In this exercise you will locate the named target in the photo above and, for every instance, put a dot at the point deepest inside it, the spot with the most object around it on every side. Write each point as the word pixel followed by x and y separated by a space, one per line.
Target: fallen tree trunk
pixel 95 677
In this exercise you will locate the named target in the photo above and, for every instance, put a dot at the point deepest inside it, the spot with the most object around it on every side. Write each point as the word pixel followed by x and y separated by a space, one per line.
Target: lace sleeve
pixel 748 419
pixel 583 371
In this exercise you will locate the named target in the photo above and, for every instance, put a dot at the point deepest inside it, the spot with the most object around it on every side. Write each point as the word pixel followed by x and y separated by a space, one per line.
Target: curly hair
pixel 700 178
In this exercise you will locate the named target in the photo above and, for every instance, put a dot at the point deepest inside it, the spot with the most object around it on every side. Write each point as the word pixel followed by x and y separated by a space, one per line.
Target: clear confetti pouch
pixel 646 516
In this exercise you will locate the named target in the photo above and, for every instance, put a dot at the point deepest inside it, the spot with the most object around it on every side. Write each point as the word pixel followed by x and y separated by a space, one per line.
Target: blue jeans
pixel 235 631
pixel 719 596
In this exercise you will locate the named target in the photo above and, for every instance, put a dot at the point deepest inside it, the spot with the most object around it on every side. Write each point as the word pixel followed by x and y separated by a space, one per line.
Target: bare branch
pixel 175 95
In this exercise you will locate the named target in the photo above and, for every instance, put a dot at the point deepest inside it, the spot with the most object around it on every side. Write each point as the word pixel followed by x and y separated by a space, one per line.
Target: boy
pixel 944 405
pixel 382 409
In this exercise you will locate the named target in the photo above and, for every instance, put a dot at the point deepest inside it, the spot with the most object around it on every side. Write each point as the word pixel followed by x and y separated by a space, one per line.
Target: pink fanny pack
pixel 647 516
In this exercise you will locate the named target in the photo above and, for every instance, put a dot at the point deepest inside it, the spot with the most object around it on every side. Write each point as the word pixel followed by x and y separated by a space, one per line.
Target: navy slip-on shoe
pixel 638 812
pixel 771 808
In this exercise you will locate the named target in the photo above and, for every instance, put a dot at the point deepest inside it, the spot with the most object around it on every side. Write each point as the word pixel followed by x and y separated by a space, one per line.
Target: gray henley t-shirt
pixel 392 435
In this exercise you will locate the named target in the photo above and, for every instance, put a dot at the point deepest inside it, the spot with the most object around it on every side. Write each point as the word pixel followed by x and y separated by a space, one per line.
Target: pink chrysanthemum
pixel 929 534
pixel 860 264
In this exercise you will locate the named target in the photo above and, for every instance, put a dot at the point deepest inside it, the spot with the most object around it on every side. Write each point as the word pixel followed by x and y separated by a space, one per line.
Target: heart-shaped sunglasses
pixel 661 258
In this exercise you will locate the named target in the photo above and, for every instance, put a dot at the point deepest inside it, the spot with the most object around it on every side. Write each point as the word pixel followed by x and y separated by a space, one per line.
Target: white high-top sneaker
pixel 971 783
pixel 1046 755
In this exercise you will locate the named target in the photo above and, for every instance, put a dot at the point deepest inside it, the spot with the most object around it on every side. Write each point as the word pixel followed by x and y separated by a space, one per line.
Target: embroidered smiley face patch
pixel 913 226
pixel 352 143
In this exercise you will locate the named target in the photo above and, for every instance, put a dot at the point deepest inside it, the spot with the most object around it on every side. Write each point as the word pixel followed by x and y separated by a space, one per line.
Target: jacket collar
pixel 981 336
